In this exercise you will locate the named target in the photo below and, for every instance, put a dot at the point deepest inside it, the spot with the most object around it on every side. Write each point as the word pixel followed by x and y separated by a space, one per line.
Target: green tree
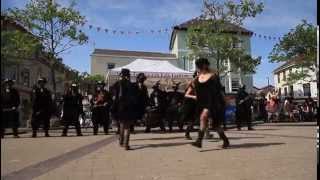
pixel 16 45
pixel 55 27
pixel 299 46
pixel 213 35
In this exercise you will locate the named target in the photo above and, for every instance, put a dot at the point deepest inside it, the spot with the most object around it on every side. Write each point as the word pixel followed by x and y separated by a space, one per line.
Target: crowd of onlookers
pixel 274 109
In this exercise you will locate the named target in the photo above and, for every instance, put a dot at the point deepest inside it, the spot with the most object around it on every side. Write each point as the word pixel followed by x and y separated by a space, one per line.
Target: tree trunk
pixel 53 77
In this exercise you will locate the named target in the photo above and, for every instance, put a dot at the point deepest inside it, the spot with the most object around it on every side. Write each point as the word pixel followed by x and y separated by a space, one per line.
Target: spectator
pixel 272 109
pixel 288 107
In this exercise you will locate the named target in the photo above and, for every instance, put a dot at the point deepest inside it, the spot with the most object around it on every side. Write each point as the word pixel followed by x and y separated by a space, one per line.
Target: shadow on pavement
pixel 55 136
pixel 246 145
pixel 236 138
pixel 136 147
pixel 268 129
pixel 163 138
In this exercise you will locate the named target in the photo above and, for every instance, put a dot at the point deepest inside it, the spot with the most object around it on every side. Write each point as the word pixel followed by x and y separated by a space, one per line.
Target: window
pixel 235 84
pixel 291 90
pixel 285 91
pixel 110 66
pixel 11 72
pixel 279 91
pixel 284 76
pixel 278 75
pixel 306 89
pixel 25 77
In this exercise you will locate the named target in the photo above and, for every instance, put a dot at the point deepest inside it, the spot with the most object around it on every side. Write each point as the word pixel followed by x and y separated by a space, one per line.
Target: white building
pixel 301 88
pixel 233 80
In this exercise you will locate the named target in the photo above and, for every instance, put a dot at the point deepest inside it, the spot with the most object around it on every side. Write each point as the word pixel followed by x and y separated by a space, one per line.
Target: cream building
pixel 299 89
pixel 103 60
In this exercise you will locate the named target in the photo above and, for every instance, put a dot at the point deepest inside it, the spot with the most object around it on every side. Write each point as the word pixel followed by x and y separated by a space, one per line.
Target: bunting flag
pixel 164 31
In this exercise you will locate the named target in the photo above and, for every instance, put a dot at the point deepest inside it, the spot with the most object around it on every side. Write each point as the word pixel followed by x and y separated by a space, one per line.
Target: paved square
pixel 281 151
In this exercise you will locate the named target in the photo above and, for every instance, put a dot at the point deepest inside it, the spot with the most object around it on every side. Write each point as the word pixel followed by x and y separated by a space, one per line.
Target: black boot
pixel 46 133
pixel 15 132
pixel 225 139
pixel 250 128
pixel 187 135
pixel 126 140
pixel 198 142
pixel 64 132
pixel 34 134
pixel 95 130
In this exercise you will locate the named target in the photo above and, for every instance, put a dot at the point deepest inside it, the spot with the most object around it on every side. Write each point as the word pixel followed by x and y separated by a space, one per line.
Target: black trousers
pixel 10 119
pixel 243 115
pixel 71 121
pixel 155 118
pixel 41 118
pixel 100 116
pixel 172 115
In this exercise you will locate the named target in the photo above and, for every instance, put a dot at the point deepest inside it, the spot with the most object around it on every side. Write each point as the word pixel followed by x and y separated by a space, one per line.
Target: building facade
pixel 299 89
pixel 232 80
pixel 26 71
pixel 103 60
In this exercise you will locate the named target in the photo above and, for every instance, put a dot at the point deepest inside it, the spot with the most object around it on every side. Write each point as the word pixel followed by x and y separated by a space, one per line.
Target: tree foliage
pixel 298 45
pixel 16 45
pixel 54 26
pixel 214 35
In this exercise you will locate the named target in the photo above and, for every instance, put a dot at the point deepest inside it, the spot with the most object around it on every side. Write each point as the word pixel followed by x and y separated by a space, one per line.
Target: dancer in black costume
pixel 189 108
pixel 10 101
pixel 210 101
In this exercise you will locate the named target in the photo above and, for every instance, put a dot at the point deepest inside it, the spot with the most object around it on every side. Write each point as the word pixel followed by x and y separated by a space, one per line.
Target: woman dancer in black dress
pixel 210 101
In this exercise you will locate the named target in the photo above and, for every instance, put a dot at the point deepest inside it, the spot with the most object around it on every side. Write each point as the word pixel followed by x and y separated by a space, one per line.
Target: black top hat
pixel 125 72
pixel 141 76
pixel 201 62
pixel 42 79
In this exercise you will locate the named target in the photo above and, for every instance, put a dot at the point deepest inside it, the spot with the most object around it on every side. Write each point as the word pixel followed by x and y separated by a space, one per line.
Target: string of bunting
pixel 163 31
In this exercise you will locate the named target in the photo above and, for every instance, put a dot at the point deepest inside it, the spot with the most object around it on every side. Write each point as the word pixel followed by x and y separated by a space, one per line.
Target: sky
pixel 278 17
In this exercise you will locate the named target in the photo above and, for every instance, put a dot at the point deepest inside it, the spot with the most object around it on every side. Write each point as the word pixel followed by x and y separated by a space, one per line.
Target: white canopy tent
pixel 155 70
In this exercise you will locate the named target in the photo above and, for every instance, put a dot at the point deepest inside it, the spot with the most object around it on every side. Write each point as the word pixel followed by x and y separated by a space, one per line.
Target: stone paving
pixel 274 151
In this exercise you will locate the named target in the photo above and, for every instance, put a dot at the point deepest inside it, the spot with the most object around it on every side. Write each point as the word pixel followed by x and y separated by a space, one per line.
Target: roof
pixel 151 66
pixel 287 64
pixel 267 87
pixel 126 53
pixel 231 28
